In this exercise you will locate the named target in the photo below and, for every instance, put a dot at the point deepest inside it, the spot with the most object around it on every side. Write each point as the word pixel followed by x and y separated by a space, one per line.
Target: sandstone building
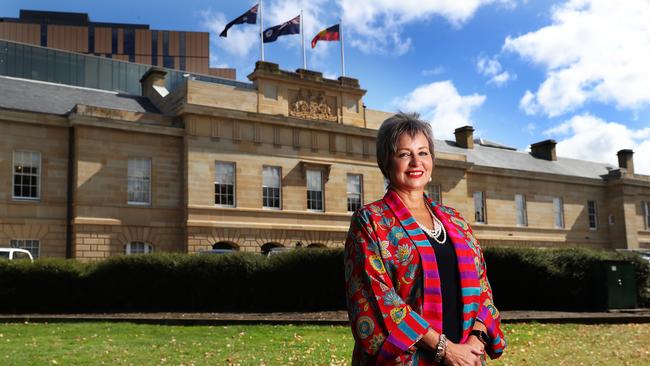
pixel 281 161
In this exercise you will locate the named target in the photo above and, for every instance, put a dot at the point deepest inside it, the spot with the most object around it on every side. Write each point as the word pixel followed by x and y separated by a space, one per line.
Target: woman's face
pixel 412 163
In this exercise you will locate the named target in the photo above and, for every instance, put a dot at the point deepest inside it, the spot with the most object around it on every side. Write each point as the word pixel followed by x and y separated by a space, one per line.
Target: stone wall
pixel 44 218
pixel 93 242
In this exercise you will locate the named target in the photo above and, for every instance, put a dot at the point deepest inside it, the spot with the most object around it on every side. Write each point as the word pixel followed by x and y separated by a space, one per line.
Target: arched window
pixel 138 247
pixel 316 245
pixel 269 248
pixel 225 245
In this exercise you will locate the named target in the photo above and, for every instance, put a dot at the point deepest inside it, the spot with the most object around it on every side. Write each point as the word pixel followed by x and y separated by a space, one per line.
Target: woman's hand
pixel 476 343
pixel 463 354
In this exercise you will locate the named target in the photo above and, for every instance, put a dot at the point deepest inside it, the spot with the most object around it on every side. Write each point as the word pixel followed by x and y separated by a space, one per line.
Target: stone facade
pixel 294 121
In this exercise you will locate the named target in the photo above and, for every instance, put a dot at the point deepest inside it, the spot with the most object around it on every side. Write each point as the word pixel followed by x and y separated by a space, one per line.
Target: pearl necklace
pixel 437 228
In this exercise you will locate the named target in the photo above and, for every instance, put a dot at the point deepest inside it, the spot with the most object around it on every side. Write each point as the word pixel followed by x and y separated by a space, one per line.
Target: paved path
pixel 324 317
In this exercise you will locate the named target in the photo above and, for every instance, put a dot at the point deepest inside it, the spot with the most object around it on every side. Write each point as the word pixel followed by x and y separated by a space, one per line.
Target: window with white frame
pixel 520 208
pixel 558 212
pixel 27 175
pixel 139 185
pixel 435 192
pixel 224 184
pixel 314 189
pixel 271 186
pixel 592 213
pixel 138 247
pixel 479 208
pixel 646 206
pixel 31 245
pixel 355 191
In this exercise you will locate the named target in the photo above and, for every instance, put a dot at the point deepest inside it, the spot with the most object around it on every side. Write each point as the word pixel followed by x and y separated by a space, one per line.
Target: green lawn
pixel 130 344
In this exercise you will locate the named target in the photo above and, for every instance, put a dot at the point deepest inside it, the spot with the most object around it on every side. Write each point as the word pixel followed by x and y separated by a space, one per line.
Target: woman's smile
pixel 415 173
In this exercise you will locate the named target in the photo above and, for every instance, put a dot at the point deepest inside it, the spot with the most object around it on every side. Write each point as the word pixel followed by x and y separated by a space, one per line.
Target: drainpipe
pixel 70 193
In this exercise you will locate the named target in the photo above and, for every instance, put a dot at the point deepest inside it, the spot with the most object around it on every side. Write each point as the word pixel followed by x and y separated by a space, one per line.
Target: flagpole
pixel 261 31
pixel 302 37
pixel 342 52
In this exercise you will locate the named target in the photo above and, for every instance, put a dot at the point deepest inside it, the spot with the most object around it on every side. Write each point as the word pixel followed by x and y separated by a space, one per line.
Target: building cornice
pixel 116 124
pixel 630 181
pixel 523 174
pixel 36 118
pixel 257 225
pixel 295 213
pixel 224 113
pixel 305 78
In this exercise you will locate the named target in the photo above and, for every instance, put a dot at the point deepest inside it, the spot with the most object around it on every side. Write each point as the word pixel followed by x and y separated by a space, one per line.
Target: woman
pixel 416 285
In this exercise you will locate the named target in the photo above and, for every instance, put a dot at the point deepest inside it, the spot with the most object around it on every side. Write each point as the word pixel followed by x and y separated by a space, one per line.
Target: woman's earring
pixel 430 179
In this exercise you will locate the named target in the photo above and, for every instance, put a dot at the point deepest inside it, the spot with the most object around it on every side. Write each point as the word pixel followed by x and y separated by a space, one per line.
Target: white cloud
pixel 527 103
pixel 215 60
pixel 442 105
pixel 378 24
pixel 241 38
pixel 434 71
pixel 488 66
pixel 502 78
pixel 529 128
pixel 594 50
pixel 591 138
pixel 244 38
pixel 491 68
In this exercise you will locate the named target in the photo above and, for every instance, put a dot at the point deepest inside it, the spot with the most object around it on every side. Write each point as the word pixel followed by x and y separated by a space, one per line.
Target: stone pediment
pixel 308 95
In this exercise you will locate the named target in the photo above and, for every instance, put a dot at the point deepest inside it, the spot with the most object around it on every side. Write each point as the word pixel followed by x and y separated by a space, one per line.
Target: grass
pixel 576 344
pixel 131 344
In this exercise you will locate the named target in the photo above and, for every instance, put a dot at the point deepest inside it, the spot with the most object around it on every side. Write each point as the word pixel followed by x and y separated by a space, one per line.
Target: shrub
pixel 159 282
pixel 556 279
pixel 47 285
pixel 300 280
pixel 304 279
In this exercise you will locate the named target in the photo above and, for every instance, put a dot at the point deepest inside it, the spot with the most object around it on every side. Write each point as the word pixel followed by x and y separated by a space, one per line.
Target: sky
pixel 519 71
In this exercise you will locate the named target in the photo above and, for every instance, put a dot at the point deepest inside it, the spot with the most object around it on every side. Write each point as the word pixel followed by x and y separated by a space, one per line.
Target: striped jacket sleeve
pixel 488 313
pixel 381 322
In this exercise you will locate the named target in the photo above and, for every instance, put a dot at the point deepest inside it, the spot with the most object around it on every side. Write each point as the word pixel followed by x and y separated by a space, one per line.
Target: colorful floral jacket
pixel 393 286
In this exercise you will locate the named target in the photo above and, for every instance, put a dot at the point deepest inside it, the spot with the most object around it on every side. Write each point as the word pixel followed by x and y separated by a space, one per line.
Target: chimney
pixel 153 83
pixel 465 137
pixel 625 160
pixel 153 87
pixel 544 150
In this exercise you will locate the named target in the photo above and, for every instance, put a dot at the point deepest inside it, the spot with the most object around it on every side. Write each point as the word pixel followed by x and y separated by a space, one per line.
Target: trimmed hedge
pixel 47 285
pixel 300 280
pixel 557 279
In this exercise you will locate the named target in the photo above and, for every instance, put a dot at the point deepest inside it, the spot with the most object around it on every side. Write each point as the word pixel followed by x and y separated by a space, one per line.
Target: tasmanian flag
pixel 249 17
pixel 329 34
pixel 286 28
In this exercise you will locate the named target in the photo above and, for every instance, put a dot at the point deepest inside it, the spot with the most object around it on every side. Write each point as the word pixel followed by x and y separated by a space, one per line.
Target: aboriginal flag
pixel 329 34
pixel 249 17
pixel 290 27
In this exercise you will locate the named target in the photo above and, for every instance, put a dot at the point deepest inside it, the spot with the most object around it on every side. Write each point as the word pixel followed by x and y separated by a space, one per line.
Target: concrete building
pixel 280 161
pixel 181 50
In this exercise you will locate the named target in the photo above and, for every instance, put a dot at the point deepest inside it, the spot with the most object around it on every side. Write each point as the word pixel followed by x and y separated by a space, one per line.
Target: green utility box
pixel 618 284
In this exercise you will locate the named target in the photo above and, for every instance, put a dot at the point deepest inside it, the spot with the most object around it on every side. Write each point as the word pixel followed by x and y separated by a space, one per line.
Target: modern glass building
pixel 181 50
pixel 46 64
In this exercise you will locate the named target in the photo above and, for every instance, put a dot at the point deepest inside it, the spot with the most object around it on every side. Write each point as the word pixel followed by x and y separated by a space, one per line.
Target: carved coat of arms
pixel 311 105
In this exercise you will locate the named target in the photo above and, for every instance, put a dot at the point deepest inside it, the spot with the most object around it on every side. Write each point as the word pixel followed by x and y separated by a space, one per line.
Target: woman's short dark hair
pixel 391 130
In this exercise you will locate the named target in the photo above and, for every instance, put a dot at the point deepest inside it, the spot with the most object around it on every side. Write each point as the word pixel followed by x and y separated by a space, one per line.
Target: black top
pixel 450 287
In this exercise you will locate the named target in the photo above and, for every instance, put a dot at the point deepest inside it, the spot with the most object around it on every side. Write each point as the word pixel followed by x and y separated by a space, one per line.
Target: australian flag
pixel 249 17
pixel 290 27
